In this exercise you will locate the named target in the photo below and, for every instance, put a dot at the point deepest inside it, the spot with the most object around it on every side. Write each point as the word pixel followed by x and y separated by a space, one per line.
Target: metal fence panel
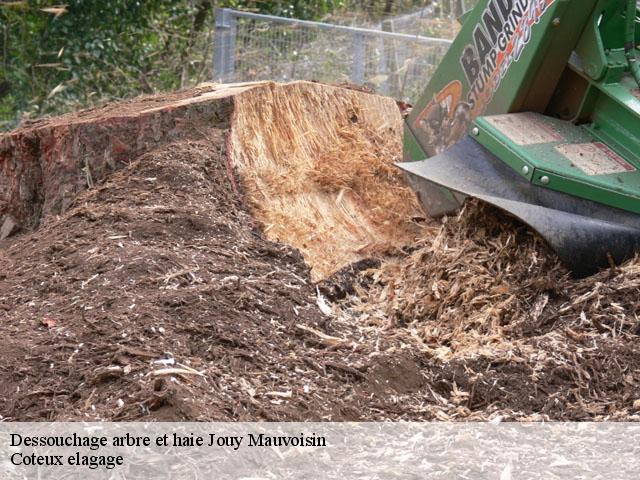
pixel 263 47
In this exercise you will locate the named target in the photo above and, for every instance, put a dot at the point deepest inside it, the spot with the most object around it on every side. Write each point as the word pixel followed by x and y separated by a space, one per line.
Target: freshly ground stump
pixel 248 252
pixel 140 253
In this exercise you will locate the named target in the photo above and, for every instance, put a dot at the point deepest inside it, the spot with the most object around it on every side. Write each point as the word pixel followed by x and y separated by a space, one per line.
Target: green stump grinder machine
pixel 536 110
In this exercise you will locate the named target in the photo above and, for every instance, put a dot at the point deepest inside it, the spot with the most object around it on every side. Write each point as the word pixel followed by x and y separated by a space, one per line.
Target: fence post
pixel 357 75
pixel 383 67
pixel 390 54
pixel 224 45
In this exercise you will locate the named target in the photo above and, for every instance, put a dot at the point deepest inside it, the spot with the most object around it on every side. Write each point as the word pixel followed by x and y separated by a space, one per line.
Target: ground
pixel 158 291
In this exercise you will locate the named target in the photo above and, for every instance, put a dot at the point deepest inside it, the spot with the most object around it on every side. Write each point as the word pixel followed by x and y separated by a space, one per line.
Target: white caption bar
pixel 319 450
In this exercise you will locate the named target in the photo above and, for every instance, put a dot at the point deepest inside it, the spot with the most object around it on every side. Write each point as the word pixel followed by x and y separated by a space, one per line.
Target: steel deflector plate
pixel 583 233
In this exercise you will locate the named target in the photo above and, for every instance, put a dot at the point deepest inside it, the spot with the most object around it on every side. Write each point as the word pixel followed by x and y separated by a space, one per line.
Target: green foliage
pixel 91 50
pixel 297 8
pixel 54 57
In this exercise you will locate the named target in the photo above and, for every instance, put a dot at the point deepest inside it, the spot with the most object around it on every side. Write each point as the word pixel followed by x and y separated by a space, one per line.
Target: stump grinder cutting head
pixel 536 110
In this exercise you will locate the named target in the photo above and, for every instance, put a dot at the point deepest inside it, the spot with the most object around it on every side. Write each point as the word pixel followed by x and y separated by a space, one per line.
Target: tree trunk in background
pixel 203 9
pixel 388 7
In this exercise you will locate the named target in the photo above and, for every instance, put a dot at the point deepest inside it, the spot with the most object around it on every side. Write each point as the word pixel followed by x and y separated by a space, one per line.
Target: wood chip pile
pixel 249 252
pixel 484 296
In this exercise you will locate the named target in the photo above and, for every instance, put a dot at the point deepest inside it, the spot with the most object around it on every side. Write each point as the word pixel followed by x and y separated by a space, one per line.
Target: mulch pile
pixel 156 295
pixel 513 334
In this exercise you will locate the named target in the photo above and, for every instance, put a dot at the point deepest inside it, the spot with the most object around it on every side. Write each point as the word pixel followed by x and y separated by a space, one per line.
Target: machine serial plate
pixel 595 158
pixel 524 128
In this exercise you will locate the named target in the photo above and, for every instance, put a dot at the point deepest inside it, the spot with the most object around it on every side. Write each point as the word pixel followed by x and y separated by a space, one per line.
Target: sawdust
pixel 486 299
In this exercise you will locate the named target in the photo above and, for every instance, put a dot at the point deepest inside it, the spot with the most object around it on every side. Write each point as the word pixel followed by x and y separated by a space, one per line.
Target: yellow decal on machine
pixel 498 42
pixel 595 158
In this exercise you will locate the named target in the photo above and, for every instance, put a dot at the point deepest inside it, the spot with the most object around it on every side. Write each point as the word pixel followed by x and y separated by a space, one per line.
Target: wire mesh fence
pixel 261 47
pixel 436 19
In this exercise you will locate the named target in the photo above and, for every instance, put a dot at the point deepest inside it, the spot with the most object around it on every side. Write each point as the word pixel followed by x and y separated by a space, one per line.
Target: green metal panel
pixel 571 157
pixel 601 48
pixel 493 68
pixel 412 151
pixel 616 119
pixel 569 166
pixel 508 57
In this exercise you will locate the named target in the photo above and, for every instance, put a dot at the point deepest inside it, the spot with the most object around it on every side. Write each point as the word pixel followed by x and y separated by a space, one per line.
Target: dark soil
pixel 163 263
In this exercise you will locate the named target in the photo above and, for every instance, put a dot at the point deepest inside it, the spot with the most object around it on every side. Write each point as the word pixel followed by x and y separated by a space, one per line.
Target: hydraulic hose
pixel 630 40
